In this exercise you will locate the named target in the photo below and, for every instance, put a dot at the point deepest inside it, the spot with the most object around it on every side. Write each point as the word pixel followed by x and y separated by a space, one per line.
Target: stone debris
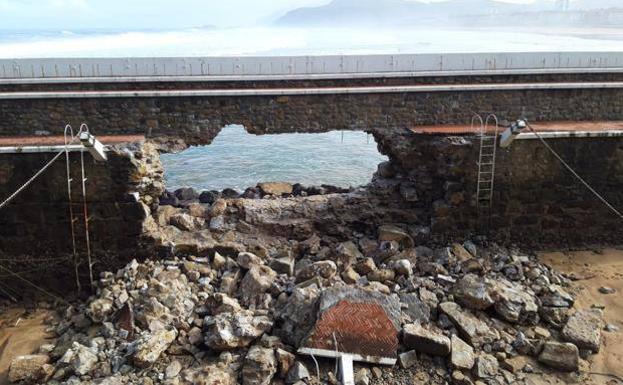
pixel 29 368
pixel 298 372
pixel 485 366
pixel 462 355
pixel 151 346
pixel 562 356
pixel 607 290
pixel 425 340
pixel 234 330
pixel 476 331
pixel 407 359
pixel 260 365
pixel 583 329
pixel 237 311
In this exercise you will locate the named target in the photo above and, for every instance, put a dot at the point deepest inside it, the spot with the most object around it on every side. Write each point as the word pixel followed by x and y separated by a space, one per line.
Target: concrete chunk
pixel 425 340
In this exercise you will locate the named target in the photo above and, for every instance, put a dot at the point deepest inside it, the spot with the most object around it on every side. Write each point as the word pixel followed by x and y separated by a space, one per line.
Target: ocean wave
pixel 295 41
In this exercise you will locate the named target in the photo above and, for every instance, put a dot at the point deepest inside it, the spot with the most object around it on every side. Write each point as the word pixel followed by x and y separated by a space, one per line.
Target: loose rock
pixel 562 356
pixel 425 340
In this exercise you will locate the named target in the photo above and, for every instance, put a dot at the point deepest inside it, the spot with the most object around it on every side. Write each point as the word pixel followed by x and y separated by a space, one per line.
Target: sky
pixel 145 14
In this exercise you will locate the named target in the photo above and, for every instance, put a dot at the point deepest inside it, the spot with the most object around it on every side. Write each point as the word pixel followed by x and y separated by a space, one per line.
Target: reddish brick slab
pixel 358 328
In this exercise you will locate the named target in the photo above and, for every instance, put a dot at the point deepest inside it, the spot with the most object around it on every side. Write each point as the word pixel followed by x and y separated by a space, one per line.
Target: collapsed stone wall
pixel 198 120
pixel 427 188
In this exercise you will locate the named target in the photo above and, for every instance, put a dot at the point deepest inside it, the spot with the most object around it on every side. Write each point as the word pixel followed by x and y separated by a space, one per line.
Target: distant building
pixel 562 5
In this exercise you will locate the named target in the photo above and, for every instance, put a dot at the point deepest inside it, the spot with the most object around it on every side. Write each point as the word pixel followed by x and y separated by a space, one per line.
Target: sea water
pixel 238 160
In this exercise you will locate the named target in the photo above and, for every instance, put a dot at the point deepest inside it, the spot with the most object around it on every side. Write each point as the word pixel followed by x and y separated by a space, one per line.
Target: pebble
pixel 611 328
pixel 607 290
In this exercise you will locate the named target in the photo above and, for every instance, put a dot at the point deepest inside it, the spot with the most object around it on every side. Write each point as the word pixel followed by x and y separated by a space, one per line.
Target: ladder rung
pixel 487 164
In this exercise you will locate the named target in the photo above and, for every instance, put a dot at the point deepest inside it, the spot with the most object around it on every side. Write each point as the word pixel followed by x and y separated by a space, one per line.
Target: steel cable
pixel 585 183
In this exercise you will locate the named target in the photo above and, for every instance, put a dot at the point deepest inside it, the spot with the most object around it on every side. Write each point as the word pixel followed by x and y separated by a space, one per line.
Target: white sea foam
pixel 300 41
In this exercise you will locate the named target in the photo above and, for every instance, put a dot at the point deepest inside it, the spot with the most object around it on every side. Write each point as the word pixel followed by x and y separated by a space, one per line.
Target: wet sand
pixel 592 270
pixel 21 333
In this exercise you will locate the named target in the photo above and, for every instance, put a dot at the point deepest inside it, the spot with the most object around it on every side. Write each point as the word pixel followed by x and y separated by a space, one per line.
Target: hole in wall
pixel 238 160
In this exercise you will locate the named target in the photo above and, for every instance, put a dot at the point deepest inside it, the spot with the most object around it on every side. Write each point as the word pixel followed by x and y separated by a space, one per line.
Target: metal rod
pixel 71 210
pixel 41 149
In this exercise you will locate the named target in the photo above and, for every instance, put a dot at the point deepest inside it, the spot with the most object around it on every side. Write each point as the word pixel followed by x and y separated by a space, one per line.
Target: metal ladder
pixel 486 165
pixel 79 221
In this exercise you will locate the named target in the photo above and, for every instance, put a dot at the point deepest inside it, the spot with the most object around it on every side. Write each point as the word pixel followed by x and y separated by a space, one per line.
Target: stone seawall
pixel 536 200
pixel 35 228
pixel 198 120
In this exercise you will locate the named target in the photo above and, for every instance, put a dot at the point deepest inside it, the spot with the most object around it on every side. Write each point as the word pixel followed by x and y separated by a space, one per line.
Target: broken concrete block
pixel 425 340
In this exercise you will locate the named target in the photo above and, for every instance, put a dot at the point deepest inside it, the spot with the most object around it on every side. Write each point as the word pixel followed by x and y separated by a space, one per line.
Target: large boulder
pixel 234 330
pixel 561 356
pixel 583 329
pixel 260 365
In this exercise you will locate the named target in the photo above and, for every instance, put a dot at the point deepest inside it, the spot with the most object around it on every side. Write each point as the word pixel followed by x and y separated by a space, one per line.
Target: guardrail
pixel 232 68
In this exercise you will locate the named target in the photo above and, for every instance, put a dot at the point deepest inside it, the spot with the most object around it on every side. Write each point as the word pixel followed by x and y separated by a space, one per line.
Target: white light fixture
pixel 95 147
pixel 511 133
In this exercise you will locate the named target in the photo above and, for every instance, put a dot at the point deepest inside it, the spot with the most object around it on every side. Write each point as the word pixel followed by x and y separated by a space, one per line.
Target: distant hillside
pixel 414 13
pixel 347 12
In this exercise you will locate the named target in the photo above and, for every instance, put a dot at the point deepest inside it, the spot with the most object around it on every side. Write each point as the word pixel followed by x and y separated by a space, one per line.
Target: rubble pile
pixel 467 314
